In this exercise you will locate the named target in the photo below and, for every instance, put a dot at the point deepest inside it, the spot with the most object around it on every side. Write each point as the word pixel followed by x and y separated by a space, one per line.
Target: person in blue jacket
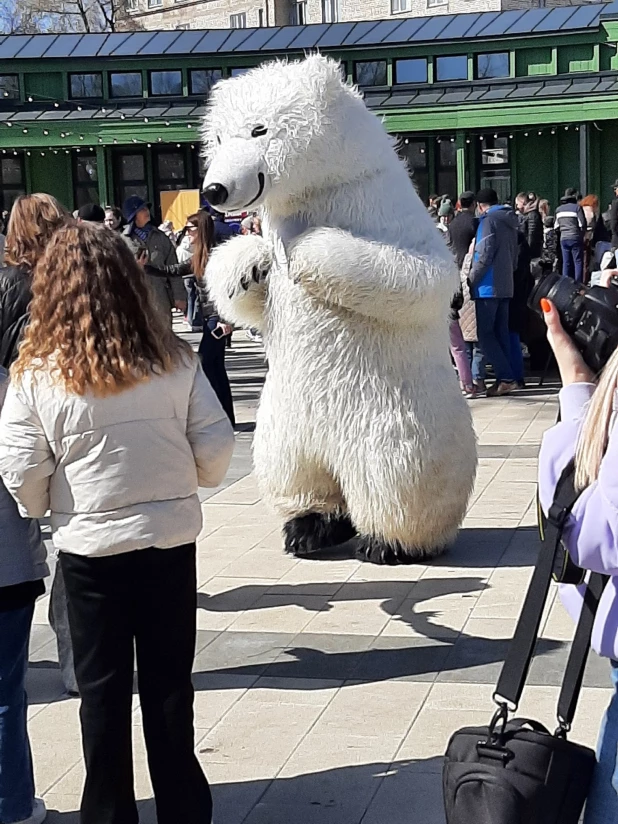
pixel 491 285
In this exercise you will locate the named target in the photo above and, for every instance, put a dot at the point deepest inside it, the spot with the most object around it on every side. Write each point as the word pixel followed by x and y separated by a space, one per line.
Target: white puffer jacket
pixel 119 473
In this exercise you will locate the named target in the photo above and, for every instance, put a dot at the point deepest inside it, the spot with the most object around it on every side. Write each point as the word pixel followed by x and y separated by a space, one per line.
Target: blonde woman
pixel 110 423
pixel 587 432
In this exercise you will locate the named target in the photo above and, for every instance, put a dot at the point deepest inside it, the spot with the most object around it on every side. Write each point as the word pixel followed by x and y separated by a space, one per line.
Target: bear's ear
pixel 323 72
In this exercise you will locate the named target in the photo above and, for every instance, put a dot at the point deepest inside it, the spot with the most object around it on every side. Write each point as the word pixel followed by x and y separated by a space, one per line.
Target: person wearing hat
pixel 570 223
pixel 491 285
pixel 91 213
pixel 445 215
pixel 142 234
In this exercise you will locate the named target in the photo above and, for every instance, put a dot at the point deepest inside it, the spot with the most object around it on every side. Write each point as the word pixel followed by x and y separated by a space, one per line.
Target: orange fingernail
pixel 545 305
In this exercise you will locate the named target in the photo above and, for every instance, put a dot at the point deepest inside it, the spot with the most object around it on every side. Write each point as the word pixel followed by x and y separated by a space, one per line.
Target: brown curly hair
pixel 34 219
pixel 93 322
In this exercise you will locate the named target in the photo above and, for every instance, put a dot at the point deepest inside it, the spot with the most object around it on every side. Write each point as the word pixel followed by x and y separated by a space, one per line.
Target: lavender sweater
pixel 591 533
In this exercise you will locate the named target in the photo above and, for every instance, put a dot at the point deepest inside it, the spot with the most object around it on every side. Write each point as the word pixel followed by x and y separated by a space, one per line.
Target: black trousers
pixel 212 356
pixel 147 600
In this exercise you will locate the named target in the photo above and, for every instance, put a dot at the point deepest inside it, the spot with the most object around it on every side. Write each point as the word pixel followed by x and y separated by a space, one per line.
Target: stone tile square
pixel 280 613
pixel 406 795
pixel 242 653
pixel 313 655
pixel 232 802
pixel 410 659
pixel 340 796
pixel 221 600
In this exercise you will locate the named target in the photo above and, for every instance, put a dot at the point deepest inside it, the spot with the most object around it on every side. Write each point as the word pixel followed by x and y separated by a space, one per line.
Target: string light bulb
pixel 29 99
pixel 56 105
pixel 45 132
pixel 24 131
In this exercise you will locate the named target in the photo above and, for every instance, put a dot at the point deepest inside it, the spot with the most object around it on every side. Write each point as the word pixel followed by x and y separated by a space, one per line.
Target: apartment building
pixel 238 14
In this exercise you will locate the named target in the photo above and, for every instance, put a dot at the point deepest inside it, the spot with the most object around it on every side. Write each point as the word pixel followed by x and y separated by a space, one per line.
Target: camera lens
pixel 564 293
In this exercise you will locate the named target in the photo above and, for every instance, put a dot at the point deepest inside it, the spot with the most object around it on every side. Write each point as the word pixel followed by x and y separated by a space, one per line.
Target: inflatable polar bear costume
pixel 362 429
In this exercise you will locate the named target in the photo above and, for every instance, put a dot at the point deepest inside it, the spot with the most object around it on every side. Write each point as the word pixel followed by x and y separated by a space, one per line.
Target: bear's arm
pixel 370 278
pixel 235 280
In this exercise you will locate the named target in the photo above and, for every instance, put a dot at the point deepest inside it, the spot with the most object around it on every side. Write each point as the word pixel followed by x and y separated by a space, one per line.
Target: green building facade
pixel 524 99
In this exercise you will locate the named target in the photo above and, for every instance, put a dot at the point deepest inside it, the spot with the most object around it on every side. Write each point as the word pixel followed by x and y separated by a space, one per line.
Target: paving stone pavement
pixel 326 691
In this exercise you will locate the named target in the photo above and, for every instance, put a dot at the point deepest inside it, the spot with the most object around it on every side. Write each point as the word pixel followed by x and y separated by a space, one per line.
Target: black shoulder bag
pixel 515 771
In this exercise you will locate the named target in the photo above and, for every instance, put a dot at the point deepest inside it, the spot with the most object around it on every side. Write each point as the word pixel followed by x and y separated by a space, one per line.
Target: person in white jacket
pixel 111 425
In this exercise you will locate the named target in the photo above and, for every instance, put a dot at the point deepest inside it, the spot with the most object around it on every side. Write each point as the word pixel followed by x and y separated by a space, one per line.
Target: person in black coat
pixel 34 219
pixel 531 222
pixel 518 307
pixel 462 229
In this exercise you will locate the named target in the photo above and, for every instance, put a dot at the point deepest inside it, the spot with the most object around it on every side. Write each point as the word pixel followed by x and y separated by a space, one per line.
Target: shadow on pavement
pixel 399 792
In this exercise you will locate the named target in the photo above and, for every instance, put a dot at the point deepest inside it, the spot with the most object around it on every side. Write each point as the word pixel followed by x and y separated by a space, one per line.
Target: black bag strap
pixel 576 665
pixel 517 664
pixel 515 670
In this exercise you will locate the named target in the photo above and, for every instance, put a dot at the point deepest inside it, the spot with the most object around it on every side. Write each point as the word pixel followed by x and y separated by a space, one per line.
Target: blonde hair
pixel 93 322
pixel 34 219
pixel 594 434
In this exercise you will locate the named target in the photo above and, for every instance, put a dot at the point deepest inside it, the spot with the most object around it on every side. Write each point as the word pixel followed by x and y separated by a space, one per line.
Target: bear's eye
pixel 258 131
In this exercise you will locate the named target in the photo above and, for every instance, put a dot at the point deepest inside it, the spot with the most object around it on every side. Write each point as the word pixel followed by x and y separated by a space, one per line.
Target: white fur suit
pixel 362 432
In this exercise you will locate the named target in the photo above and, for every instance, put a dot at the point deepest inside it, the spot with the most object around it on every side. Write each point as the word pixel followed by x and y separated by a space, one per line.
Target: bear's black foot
pixel 308 534
pixel 390 553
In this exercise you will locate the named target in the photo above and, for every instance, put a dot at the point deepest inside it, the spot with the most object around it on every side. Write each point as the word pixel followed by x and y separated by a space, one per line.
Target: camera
pixel 589 314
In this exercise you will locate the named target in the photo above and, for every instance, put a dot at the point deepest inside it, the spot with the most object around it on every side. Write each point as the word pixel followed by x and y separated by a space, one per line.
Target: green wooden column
pixel 104 198
pixel 462 163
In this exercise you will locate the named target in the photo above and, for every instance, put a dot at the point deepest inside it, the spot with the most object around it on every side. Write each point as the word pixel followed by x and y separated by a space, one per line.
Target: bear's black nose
pixel 216 194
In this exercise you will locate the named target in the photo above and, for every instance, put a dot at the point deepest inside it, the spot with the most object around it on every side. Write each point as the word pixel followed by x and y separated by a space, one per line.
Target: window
pixel 493 160
pixel 130 176
pixel 330 11
pixel 494 64
pixel 182 26
pixel 298 13
pixel 12 180
pixel 452 68
pixel 125 84
pixel 446 167
pixel 132 5
pixel 9 86
pixel 85 179
pixel 414 152
pixel 153 4
pixel 238 21
pixel 86 85
pixel 431 4
pixel 399 5
pixel 239 70
pixel 165 83
pixel 201 81
pixel 261 18
pixel 411 71
pixel 171 171
pixel 370 73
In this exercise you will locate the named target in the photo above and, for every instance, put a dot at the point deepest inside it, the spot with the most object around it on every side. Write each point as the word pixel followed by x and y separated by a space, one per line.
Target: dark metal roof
pixel 323 35
pixel 497 91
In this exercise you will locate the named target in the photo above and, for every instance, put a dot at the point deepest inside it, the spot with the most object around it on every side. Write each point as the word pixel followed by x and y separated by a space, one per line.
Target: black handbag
pixel 515 771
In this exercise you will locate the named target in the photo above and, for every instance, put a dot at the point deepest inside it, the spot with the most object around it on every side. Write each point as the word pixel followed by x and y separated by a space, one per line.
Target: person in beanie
pixel 491 285
pixel 570 223
pixel 445 215
pixel 91 213
pixel 143 236
pixel 22 569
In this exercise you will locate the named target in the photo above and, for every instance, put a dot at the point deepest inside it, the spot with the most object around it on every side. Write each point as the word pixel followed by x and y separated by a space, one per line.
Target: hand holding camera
pixel 571 364
pixel 587 317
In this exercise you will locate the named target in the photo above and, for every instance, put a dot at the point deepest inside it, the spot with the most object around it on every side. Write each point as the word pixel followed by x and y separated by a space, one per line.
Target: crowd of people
pixel 110 424
pixel 501 249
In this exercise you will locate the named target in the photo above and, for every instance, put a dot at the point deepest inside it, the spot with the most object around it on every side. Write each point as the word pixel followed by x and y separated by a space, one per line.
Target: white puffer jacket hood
pixel 118 473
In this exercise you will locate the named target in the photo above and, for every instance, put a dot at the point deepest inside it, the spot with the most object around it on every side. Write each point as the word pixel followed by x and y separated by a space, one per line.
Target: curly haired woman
pixel 111 424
